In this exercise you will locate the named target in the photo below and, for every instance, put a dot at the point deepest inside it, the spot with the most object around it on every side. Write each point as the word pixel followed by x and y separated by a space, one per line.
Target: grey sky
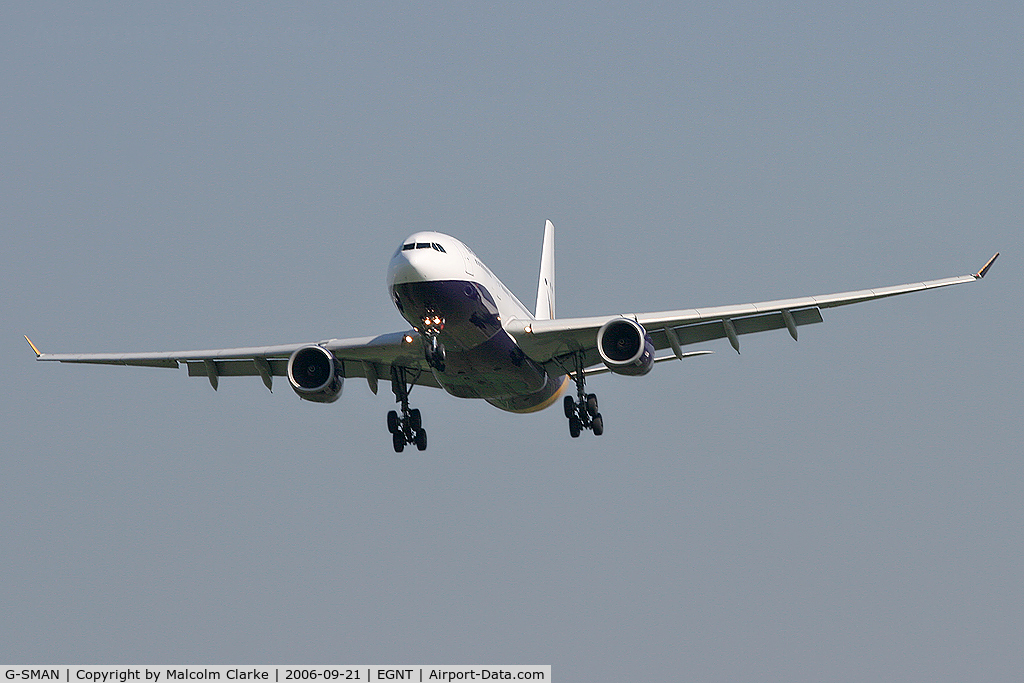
pixel 848 507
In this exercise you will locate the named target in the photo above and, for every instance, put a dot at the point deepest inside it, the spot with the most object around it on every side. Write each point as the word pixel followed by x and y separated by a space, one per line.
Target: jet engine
pixel 625 347
pixel 314 374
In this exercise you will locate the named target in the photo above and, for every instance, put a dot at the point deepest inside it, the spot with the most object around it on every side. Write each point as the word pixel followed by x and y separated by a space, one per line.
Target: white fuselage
pixel 445 292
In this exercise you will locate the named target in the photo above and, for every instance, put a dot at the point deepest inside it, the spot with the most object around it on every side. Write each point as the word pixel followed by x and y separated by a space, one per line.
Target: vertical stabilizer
pixel 546 286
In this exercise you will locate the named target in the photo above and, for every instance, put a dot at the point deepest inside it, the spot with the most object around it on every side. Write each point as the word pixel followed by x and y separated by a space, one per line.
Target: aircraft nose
pixel 409 266
pixel 422 258
pixel 401 269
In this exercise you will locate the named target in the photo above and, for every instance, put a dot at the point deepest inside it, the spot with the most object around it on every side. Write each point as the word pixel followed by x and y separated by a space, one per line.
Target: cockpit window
pixel 422 245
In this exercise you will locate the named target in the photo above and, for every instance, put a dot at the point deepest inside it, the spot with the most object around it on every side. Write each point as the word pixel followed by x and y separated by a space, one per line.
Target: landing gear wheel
pixel 581 410
pixel 570 407
pixel 405 427
pixel 435 354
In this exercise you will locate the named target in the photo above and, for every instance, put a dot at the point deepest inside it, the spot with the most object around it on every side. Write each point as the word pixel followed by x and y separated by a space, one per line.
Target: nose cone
pixel 406 267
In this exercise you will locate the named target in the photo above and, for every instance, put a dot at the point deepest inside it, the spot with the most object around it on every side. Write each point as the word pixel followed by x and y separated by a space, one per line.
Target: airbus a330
pixel 473 338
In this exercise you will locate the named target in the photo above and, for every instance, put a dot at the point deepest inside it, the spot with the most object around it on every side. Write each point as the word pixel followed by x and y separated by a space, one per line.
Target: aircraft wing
pixel 369 357
pixel 552 341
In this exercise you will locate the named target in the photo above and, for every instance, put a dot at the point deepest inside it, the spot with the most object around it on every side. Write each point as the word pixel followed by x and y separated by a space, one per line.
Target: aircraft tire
pixel 592 404
pixel 392 421
pixel 421 439
pixel 569 406
pixel 398 440
pixel 415 419
pixel 575 426
pixel 597 424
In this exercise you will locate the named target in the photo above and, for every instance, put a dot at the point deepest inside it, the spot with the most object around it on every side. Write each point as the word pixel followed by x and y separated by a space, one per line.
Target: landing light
pixel 407 339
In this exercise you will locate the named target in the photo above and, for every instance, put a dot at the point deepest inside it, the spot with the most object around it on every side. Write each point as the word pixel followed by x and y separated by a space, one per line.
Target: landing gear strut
pixel 433 350
pixel 582 412
pixel 406 428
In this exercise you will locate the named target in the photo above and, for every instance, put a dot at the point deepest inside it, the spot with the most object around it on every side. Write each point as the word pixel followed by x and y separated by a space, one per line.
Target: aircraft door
pixel 468 259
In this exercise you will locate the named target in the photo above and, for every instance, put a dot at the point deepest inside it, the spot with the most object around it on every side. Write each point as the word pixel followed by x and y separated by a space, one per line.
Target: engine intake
pixel 314 374
pixel 625 347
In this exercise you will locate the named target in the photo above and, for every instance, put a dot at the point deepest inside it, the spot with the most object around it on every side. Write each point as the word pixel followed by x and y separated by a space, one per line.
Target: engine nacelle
pixel 314 374
pixel 625 347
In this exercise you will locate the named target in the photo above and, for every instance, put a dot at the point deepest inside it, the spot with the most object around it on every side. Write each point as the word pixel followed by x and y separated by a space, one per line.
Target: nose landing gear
pixel 433 350
pixel 434 353
pixel 406 428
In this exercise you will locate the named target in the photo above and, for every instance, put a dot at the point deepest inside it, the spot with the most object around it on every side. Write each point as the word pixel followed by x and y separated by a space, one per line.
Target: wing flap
pixel 279 368
pixel 137 362
pixel 715 329
pixel 236 368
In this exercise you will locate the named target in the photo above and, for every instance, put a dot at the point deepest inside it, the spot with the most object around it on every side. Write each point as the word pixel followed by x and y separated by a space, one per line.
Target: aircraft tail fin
pixel 546 285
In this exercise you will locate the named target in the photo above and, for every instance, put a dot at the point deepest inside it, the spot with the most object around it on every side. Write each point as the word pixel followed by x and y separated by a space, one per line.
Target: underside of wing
pixel 552 341
pixel 368 357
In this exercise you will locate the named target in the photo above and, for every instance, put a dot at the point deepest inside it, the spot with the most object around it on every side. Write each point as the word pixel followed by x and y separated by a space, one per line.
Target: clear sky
pixel 848 507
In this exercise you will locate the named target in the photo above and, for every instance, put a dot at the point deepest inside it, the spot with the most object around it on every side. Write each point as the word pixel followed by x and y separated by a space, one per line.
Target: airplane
pixel 473 338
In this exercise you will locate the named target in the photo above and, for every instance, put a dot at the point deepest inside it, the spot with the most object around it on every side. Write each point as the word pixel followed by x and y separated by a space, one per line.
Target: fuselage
pixel 445 292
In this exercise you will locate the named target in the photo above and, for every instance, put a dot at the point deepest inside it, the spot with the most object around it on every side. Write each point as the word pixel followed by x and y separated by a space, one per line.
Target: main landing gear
pixel 582 412
pixel 407 428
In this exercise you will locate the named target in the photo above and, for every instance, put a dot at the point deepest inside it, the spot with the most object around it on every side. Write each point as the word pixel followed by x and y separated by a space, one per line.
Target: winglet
pixel 981 273
pixel 33 346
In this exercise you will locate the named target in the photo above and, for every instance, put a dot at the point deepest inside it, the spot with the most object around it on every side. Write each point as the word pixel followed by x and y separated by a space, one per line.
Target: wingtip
pixel 34 349
pixel 984 269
